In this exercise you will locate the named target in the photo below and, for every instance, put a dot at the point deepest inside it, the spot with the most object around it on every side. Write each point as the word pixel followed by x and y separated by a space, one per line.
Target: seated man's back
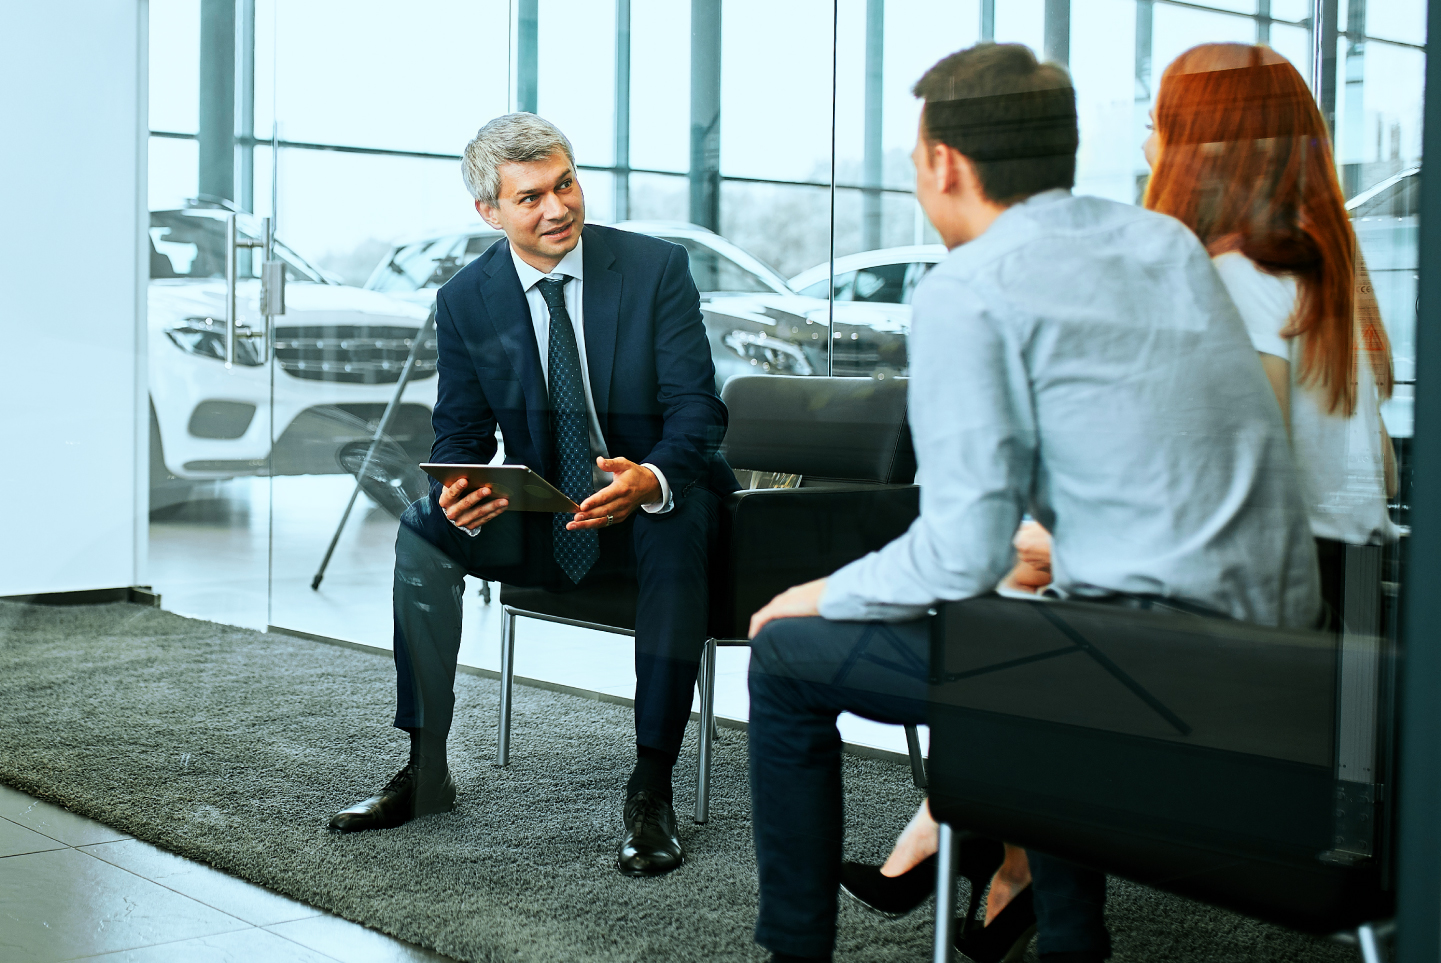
pixel 1084 351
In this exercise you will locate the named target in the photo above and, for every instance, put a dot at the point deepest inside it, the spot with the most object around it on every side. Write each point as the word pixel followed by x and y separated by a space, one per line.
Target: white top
pixel 1343 471
pixel 1081 359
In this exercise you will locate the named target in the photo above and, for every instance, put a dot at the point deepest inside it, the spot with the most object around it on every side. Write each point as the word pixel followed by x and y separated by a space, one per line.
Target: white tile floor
pixel 211 560
pixel 73 889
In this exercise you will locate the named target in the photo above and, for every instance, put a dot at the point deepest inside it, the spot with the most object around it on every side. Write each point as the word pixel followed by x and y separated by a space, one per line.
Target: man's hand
pixel 469 511
pixel 633 486
pixel 794 603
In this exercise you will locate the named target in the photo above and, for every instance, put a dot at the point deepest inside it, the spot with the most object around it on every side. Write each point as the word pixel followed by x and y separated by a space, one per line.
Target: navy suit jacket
pixel 651 375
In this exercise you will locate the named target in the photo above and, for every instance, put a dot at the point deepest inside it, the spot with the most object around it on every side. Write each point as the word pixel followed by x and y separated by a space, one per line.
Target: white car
pixel 885 276
pixel 755 321
pixel 339 351
pixel 419 265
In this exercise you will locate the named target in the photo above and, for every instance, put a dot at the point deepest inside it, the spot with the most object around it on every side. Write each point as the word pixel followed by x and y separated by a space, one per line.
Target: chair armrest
pixel 771 539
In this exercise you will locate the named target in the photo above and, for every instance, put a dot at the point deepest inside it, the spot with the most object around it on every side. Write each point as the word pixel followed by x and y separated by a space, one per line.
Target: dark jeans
pixel 1070 904
pixel 803 674
pixel 666 553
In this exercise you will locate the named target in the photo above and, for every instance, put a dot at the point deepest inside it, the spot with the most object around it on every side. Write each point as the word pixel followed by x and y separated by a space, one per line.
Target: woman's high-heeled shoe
pixel 891 896
pixel 1005 938
pixel 895 896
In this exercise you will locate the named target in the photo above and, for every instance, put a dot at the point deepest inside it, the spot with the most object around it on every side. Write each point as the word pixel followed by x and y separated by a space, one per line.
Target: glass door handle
pixel 233 243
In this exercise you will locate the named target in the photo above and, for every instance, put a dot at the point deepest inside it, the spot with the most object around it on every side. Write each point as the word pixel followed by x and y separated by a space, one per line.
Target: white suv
pixel 339 351
pixel 755 321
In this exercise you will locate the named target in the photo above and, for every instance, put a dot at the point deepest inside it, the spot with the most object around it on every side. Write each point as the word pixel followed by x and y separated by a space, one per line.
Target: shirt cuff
pixel 472 532
pixel 664 503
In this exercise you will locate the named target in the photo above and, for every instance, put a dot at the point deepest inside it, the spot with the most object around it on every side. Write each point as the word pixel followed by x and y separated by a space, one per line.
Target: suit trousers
pixel 803 674
pixel 668 554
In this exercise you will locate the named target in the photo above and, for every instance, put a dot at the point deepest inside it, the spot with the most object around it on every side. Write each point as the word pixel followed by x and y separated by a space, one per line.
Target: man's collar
pixel 571 265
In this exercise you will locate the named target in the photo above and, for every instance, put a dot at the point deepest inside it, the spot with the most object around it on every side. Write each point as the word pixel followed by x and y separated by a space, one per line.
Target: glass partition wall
pixel 772 140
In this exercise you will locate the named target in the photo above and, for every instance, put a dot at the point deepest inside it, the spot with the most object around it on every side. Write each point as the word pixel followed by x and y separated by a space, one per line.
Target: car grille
pixel 366 354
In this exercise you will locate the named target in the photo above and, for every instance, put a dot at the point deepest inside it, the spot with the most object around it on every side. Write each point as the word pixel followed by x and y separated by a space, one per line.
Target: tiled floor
pixel 72 889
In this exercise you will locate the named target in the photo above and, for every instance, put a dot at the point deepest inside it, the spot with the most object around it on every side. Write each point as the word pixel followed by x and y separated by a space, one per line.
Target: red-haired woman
pixel 1239 154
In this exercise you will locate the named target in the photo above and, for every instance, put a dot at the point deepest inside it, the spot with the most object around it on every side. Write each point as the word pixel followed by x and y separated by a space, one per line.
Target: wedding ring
pixel 609 520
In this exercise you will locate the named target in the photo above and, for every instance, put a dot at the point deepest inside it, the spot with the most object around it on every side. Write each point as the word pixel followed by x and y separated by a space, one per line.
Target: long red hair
pixel 1245 162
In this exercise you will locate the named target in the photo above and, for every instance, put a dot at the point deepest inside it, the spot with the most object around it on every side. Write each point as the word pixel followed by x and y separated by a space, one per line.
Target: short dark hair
pixel 1014 117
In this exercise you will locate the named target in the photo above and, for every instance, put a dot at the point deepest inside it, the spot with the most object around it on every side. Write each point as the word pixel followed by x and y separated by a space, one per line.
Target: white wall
pixel 73 425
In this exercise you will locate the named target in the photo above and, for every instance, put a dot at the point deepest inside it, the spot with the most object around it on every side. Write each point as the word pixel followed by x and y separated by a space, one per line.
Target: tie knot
pixel 552 290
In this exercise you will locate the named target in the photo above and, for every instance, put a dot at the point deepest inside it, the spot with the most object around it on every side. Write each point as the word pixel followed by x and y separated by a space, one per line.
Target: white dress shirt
pixel 572 266
pixel 1081 359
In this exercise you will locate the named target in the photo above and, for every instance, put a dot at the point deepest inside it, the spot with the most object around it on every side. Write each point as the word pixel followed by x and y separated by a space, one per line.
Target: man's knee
pixel 686 530
pixel 414 551
pixel 414 516
pixel 782 645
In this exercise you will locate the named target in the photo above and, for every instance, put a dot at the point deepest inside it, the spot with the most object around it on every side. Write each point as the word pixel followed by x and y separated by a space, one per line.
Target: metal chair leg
pixel 1370 945
pixel 944 950
pixel 918 761
pixel 707 731
pixel 507 675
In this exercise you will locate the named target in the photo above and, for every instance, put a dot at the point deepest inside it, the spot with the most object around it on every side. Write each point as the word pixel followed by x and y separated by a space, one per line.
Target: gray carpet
pixel 233 747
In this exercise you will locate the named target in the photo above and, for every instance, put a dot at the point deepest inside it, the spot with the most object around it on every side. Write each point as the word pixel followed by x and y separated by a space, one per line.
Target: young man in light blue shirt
pixel 1074 358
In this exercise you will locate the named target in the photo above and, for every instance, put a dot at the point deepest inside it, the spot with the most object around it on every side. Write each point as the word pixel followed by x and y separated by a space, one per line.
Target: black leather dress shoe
pixel 651 846
pixel 414 792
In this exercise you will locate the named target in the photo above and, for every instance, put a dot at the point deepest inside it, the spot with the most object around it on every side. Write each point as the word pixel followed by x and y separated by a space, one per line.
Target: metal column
pixel 1058 31
pixel 527 56
pixel 622 110
pixel 1350 146
pixel 705 97
pixel 1323 58
pixel 874 158
pixel 988 21
pixel 217 99
pixel 1419 822
pixel 1145 87
pixel 245 106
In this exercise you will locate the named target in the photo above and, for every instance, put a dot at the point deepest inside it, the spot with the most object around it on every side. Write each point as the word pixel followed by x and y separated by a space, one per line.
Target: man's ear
pixel 488 214
pixel 966 181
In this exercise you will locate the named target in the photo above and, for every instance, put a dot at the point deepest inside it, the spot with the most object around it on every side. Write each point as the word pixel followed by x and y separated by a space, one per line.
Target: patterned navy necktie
pixel 575 551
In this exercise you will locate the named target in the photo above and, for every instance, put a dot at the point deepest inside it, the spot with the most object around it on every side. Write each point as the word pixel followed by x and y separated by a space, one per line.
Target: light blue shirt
pixel 1081 360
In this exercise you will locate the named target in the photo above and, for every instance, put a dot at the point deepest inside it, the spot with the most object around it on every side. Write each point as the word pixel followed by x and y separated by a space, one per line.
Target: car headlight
pixel 206 337
pixel 771 355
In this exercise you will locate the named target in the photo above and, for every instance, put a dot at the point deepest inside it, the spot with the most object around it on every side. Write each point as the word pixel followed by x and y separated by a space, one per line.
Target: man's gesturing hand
pixel 633 486
pixel 472 510
pixel 796 602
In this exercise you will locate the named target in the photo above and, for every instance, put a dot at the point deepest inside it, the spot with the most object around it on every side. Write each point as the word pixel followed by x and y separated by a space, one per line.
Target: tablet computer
pixel 524 489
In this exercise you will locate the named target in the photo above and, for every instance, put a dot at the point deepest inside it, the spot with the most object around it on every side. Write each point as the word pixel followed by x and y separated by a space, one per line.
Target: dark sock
pixel 652 772
pixel 787 958
pixel 1086 956
pixel 426 748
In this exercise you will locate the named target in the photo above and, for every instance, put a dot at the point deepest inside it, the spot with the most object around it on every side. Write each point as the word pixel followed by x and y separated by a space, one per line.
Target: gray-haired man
pixel 591 358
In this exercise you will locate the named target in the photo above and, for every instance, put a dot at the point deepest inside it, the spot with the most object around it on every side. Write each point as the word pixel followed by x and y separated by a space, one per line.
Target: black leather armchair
pixel 1234 764
pixel 849 440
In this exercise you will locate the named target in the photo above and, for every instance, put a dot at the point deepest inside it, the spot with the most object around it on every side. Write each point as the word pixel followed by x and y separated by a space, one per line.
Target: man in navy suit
pixel 590 356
